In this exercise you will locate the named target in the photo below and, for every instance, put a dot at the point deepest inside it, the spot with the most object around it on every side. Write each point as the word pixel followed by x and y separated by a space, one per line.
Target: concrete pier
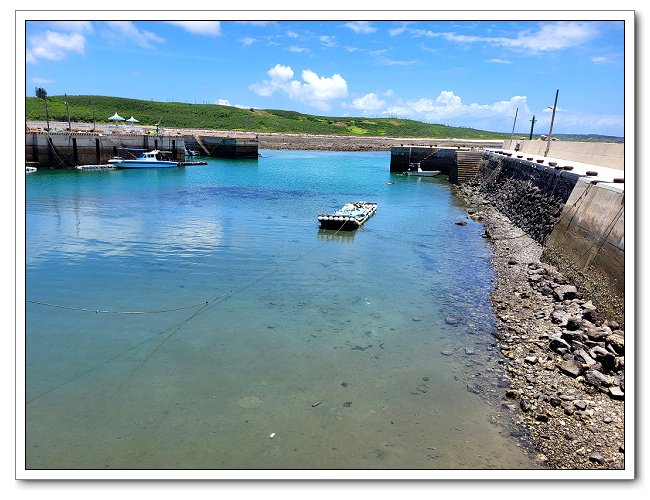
pixel 71 149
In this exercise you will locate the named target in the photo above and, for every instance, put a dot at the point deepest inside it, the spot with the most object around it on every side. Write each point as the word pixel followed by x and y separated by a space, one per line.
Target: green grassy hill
pixel 212 116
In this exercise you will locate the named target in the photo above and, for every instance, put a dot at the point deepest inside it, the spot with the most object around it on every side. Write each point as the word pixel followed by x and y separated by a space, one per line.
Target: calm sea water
pixel 233 334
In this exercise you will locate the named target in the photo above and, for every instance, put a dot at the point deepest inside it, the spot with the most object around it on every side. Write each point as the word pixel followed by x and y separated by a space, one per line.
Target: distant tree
pixel 41 93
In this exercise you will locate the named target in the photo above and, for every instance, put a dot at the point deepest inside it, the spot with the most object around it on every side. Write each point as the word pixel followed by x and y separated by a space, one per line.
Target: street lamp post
pixel 550 130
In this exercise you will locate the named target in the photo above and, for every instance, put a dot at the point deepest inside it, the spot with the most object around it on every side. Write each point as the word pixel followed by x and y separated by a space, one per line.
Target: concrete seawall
pixel 588 244
pixel 578 218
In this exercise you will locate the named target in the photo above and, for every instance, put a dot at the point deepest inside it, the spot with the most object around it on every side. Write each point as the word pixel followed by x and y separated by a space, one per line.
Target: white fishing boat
pixel 148 159
pixel 30 170
pixel 416 169
pixel 350 217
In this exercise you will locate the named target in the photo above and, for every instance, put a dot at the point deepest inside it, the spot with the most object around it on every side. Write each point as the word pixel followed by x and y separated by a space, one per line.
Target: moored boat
pixel 148 159
pixel 350 217
pixel 416 169
pixel 30 170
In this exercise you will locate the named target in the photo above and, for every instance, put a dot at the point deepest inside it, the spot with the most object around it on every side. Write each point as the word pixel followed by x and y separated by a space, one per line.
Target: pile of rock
pixel 592 350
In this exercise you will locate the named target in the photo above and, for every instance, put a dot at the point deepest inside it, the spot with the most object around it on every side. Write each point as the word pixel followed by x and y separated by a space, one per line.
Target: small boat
pixel 350 217
pixel 416 169
pixel 191 152
pixel 30 170
pixel 148 159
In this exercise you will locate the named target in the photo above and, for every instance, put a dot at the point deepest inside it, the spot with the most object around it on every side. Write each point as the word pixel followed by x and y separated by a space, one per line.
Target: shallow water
pixel 331 343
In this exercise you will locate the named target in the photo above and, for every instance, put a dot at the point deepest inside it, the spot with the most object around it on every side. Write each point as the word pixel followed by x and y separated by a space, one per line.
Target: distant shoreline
pixel 296 141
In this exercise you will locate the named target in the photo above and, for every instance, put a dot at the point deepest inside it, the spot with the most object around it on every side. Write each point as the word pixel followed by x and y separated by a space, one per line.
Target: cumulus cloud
pixel 449 108
pixel 363 27
pixel 368 102
pixel 54 46
pixel 313 90
pixel 127 31
pixel 205 28
pixel 248 41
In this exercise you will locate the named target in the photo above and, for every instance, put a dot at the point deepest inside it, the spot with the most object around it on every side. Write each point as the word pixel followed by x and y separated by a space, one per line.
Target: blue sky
pixel 473 73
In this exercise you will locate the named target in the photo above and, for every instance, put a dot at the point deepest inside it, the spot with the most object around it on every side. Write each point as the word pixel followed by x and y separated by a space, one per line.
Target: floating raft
pixel 350 217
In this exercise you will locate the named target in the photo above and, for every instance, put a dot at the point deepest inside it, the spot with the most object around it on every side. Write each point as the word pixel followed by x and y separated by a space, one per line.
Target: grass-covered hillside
pixel 211 116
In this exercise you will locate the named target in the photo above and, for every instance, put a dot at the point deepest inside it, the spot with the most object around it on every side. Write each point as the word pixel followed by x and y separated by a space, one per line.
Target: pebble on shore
pixel 565 362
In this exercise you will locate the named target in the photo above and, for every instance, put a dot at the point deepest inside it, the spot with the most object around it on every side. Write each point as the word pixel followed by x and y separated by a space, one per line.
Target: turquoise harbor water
pixel 233 334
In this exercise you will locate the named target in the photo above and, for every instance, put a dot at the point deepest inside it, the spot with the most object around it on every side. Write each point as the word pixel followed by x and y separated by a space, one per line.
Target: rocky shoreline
pixel 565 362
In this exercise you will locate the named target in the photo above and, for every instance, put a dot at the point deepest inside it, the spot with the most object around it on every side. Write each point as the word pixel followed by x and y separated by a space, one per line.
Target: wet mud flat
pixel 565 362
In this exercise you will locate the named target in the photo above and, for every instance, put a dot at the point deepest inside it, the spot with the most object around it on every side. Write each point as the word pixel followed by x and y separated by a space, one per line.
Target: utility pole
pixel 532 126
pixel 67 112
pixel 550 130
pixel 513 125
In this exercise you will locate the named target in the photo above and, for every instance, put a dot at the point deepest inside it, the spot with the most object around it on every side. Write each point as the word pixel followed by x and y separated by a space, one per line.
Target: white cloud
pixel 499 61
pixel 126 31
pixel 256 23
pixel 297 50
pixel 206 28
pixel 328 41
pixel 448 108
pixel 549 109
pixel 316 91
pixel 368 102
pixel 363 27
pixel 393 62
pixel 601 60
pixel 549 37
pixel 74 26
pixel 292 34
pixel 54 46
pixel 389 93
pixel 41 81
pixel 248 41
pixel 279 72
pixel 226 102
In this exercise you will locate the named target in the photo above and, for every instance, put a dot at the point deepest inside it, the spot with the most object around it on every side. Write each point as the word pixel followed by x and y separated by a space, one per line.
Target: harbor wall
pixel 588 244
pixel 578 221
pixel 67 150
pixel 604 154
pixel 429 158
pixel 223 147
pixel 531 195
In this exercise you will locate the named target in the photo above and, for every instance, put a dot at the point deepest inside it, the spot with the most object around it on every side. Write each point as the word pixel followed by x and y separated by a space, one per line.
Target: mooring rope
pixel 177 327
pixel 203 303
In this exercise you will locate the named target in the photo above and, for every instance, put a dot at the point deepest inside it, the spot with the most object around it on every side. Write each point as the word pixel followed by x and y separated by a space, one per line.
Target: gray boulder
pixel 565 292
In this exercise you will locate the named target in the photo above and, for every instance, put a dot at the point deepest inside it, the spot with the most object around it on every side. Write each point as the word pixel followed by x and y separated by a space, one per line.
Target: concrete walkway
pixel 605 175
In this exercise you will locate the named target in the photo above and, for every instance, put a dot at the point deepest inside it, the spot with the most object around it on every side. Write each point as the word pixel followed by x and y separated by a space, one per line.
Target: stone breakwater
pixel 564 360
